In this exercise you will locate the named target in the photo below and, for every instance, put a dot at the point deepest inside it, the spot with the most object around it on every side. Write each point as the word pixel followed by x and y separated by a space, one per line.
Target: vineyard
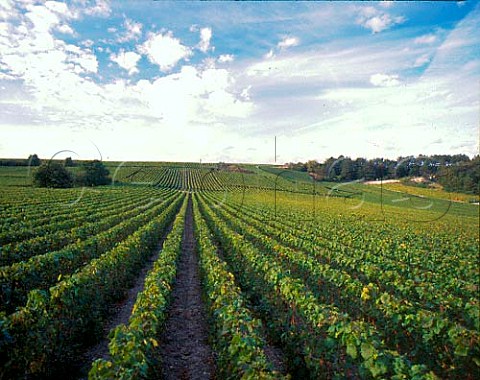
pixel 205 271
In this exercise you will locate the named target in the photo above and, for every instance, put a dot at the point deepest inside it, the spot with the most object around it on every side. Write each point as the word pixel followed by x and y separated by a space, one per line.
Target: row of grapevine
pixel 25 199
pixel 379 255
pixel 42 271
pixel 446 346
pixel 39 222
pixel 327 339
pixel 59 234
pixel 168 176
pixel 238 336
pixel 28 204
pixel 50 329
pixel 385 248
pixel 208 178
pixel 132 347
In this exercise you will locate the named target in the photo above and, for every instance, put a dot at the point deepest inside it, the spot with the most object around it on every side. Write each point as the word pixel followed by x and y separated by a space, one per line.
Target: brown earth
pixel 184 348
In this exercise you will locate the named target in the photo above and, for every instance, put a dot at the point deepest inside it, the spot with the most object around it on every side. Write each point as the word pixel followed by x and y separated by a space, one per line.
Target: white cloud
pixel 429 108
pixel 285 43
pixel 164 50
pixel 376 20
pixel 42 18
pixel 382 22
pixel 53 87
pixel 454 44
pixel 193 96
pixel 208 63
pixel 50 73
pixel 246 93
pixel 87 43
pixel 288 42
pixel 385 113
pixel 223 103
pixel 316 95
pixel 52 15
pixel 87 61
pixel 58 7
pixel 422 60
pixel 83 57
pixel 101 8
pixel 440 108
pixel 269 55
pixel 332 64
pixel 205 37
pixel 7 10
pixel 4 76
pixel 368 12
pixel 127 60
pixel 384 80
pixel 224 58
pixel 133 30
pixel 6 5
pixel 65 29
pixel 426 39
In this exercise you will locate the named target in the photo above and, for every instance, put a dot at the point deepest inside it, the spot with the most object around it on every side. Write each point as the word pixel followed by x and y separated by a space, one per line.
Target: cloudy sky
pixel 210 81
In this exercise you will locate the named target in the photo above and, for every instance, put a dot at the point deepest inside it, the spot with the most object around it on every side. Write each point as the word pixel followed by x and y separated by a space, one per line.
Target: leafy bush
pixel 53 175
pixel 94 173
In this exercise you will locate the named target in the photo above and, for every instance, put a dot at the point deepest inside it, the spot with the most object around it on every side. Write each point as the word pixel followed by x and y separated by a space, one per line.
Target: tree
pixel 94 173
pixel 69 162
pixel 347 171
pixel 312 165
pixel 53 174
pixel 33 160
pixel 359 167
pixel 370 170
pixel 331 167
pixel 389 168
pixel 461 176
pixel 319 173
pixel 401 168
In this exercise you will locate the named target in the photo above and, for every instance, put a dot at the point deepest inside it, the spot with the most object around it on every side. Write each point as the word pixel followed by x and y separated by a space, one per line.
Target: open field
pixel 199 271
pixel 436 192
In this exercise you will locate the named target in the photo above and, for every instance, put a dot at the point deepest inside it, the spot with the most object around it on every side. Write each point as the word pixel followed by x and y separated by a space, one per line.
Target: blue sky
pixel 217 81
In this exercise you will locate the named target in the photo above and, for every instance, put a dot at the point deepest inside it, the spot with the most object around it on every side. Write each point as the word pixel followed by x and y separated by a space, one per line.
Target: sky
pixel 218 81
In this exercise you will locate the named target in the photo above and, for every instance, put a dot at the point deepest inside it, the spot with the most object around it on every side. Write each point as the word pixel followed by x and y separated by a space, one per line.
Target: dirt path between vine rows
pixel 119 313
pixel 184 348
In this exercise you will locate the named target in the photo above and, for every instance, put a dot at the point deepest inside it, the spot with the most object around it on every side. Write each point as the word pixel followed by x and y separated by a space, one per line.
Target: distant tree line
pixel 454 172
pixel 54 173
pixel 32 160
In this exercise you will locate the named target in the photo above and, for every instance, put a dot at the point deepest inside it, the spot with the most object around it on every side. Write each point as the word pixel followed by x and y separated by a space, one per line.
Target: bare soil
pixel 184 348
pixel 379 182
pixel 119 313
